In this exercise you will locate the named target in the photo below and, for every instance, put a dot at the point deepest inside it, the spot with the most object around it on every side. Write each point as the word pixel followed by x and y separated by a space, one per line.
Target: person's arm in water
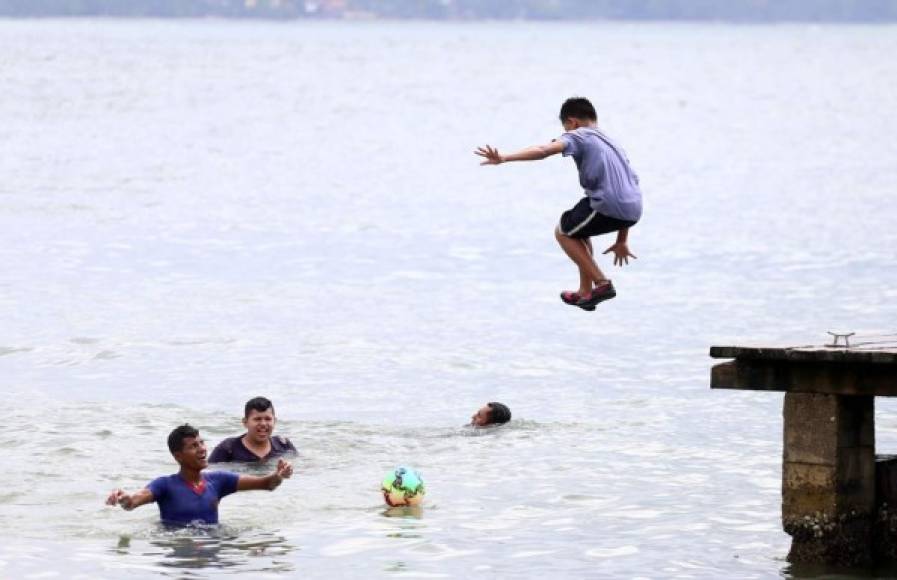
pixel 621 248
pixel 270 482
pixel 129 501
pixel 491 155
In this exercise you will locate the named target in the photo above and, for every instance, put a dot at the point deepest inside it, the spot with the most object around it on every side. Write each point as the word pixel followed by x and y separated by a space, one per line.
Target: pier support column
pixel 828 477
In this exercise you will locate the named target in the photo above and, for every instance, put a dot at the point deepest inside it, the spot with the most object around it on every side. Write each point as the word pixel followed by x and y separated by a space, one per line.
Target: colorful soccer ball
pixel 403 486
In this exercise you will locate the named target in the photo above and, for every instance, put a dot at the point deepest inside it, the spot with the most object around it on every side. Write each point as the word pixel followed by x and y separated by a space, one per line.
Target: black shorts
pixel 583 222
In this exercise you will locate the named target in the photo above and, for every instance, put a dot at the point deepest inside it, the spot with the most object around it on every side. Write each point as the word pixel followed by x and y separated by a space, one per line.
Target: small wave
pixel 5 350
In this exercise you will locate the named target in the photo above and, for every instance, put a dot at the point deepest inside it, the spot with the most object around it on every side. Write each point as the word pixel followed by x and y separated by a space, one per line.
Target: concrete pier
pixel 836 498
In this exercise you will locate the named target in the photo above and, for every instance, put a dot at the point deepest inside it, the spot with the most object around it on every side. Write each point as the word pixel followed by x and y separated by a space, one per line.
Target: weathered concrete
pixel 828 478
pixel 886 480
pixel 806 377
pixel 884 529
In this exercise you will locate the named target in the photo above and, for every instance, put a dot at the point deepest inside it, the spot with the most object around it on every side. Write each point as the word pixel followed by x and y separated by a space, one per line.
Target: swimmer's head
pixel 187 447
pixel 259 419
pixel 260 404
pixel 491 414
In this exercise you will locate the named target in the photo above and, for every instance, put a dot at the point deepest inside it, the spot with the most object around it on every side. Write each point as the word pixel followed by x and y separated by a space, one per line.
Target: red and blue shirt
pixel 182 503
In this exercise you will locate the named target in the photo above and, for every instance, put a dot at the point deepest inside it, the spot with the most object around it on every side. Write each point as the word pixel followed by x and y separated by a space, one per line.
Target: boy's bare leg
pixel 578 251
pixel 587 242
pixel 585 282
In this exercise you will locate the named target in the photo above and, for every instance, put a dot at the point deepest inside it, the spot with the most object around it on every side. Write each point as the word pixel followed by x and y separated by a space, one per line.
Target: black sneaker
pixel 598 294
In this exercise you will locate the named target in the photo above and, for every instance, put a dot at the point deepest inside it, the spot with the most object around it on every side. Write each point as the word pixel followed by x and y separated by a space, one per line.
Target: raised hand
pixel 119 497
pixel 284 469
pixel 491 155
pixel 621 253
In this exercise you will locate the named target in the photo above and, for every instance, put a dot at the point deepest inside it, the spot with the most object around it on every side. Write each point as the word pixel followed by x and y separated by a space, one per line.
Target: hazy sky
pixel 750 10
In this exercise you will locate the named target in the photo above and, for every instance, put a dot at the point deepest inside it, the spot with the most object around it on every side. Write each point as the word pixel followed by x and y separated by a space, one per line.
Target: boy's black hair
pixel 260 404
pixel 176 437
pixel 578 108
pixel 498 413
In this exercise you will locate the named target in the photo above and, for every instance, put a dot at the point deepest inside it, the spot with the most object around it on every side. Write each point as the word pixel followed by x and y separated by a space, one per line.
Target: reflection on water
pixel 212 547
pixel 405 512
pixel 219 548
pixel 834 573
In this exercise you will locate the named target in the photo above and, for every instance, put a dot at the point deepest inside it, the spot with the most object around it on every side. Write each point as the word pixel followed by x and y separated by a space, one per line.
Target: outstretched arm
pixel 621 248
pixel 270 482
pixel 536 152
pixel 129 501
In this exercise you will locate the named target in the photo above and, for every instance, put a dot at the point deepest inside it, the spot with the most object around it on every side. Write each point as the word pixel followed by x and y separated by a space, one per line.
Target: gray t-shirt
pixel 604 173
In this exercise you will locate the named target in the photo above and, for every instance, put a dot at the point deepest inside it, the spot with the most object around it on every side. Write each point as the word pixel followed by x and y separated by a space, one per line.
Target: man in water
pixel 491 414
pixel 258 443
pixel 191 496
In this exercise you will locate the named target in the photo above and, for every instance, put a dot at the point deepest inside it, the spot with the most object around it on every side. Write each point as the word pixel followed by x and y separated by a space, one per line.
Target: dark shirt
pixel 179 503
pixel 232 449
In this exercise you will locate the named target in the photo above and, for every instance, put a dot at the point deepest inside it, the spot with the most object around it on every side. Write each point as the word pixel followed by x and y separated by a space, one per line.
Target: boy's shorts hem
pixel 583 222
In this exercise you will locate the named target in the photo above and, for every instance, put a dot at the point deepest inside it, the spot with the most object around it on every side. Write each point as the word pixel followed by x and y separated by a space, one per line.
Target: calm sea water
pixel 194 213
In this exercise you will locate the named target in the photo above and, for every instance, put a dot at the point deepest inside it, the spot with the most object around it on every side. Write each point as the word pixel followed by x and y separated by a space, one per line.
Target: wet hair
pixel 498 413
pixel 176 437
pixel 578 108
pixel 260 404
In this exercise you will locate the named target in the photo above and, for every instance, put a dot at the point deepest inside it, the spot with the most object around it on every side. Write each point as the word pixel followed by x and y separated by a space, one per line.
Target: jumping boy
pixel 612 202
